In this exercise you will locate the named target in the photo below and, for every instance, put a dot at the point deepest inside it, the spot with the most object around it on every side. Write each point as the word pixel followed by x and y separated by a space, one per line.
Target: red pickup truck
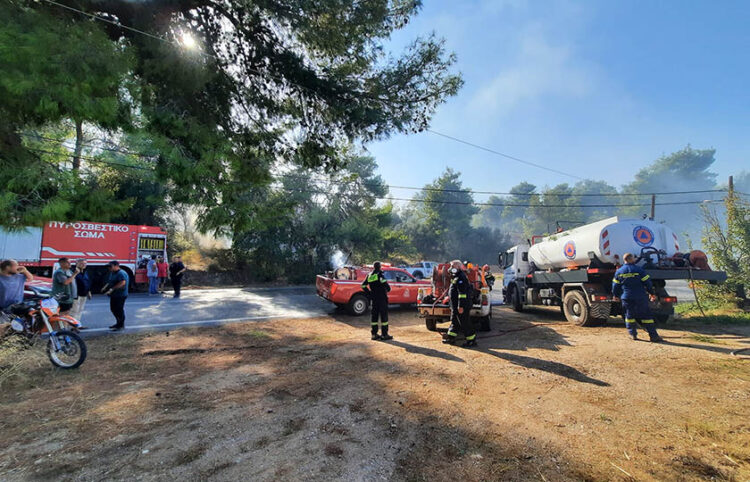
pixel 343 287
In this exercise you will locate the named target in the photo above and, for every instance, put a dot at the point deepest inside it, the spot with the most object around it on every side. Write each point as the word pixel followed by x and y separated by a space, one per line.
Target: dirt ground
pixel 315 399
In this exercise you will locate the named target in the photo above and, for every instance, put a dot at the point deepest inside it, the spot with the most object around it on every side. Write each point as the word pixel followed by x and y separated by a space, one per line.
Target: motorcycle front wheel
pixel 72 351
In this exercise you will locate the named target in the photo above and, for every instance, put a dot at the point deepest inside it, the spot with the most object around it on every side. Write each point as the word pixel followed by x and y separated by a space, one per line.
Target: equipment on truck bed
pixel 434 305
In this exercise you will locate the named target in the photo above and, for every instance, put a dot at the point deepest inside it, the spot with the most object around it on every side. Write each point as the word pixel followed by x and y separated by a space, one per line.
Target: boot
pixel 386 337
pixel 375 337
pixel 469 343
pixel 449 340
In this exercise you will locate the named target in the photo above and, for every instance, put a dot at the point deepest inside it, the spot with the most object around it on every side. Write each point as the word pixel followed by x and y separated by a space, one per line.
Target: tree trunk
pixel 79 145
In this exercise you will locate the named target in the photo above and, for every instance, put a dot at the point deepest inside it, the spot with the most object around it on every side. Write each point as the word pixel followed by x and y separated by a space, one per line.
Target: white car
pixel 422 269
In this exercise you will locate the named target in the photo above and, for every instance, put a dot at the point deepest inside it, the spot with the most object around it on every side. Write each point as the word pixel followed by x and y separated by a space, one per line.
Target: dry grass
pixel 287 400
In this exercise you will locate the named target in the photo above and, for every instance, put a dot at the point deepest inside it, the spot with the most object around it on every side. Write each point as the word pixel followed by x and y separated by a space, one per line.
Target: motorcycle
pixel 38 317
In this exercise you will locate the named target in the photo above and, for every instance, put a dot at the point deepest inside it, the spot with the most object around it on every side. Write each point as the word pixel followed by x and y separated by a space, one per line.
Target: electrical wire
pixel 413 188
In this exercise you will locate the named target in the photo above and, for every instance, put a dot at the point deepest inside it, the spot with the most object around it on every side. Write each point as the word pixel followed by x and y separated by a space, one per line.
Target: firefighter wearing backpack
pixel 633 286
pixel 376 286
pixel 460 293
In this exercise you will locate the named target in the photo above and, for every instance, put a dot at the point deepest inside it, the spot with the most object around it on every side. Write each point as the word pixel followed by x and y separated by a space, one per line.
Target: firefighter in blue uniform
pixel 633 286
pixel 460 293
pixel 377 287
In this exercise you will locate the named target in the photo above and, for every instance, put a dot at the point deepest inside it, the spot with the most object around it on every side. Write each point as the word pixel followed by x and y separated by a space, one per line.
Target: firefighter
pixel 376 286
pixel 487 278
pixel 632 285
pixel 460 295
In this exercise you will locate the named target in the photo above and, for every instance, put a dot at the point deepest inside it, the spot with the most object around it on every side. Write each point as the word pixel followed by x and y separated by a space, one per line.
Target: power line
pixel 498 153
pixel 390 186
pixel 472 203
pixel 91 159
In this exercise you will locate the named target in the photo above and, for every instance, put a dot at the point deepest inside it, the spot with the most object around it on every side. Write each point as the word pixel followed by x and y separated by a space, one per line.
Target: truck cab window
pixel 525 256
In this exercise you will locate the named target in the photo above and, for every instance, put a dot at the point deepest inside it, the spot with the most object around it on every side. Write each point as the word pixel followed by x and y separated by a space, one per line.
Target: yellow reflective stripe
pixel 372 278
pixel 645 278
pixel 450 333
pixel 461 296
pixel 629 275
pixel 383 280
pixel 469 338
pixel 615 280
pixel 645 322
pixel 629 320
pixel 453 281
pixel 383 323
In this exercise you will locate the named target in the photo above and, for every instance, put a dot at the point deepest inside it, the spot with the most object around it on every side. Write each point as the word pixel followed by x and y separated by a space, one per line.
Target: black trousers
pixel 176 284
pixel 461 322
pixel 379 309
pixel 117 307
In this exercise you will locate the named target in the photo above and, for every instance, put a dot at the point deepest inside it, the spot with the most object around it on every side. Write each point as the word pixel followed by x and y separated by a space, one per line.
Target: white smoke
pixel 338 258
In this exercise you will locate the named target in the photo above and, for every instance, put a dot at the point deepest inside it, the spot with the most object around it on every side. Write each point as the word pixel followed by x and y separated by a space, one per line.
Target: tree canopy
pixel 269 83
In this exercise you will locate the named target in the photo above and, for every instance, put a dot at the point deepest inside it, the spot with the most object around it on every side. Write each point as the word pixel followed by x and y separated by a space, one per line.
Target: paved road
pixel 231 305
pixel 206 307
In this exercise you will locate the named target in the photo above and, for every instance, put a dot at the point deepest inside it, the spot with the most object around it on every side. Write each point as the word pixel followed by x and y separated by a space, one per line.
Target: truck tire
pixel 576 310
pixel 418 275
pixel 484 323
pixel 358 305
pixel 515 299
pixel 431 324
pixel 661 319
pixel 599 313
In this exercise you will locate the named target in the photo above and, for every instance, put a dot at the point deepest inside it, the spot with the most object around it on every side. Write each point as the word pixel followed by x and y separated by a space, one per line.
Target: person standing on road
pixel 152 271
pixel 176 271
pixel 83 286
pixel 162 267
pixel 12 279
pixel 376 286
pixel 633 286
pixel 460 293
pixel 487 276
pixel 64 281
pixel 117 290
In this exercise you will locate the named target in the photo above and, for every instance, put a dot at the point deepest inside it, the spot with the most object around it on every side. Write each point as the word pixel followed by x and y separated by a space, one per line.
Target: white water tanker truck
pixel 574 269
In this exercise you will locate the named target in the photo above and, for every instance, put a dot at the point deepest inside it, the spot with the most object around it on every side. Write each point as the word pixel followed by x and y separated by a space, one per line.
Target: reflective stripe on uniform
pixel 615 280
pixel 461 296
pixel 645 278
pixel 383 323
pixel 383 280
pixel 374 323
pixel 372 278
pixel 471 337
pixel 453 281
pixel 450 333
pixel 629 320
pixel 646 322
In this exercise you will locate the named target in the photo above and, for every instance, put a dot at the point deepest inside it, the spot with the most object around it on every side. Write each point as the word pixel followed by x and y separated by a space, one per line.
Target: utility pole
pixel 653 207
pixel 731 186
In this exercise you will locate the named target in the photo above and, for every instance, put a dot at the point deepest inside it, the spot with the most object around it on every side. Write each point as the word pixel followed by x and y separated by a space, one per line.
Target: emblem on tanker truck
pixel 643 236
pixel 569 250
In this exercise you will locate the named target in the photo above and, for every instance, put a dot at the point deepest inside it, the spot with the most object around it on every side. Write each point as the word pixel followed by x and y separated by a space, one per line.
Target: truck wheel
pixel 599 313
pixel 418 275
pixel 358 305
pixel 431 324
pixel 661 319
pixel 484 323
pixel 515 299
pixel 575 309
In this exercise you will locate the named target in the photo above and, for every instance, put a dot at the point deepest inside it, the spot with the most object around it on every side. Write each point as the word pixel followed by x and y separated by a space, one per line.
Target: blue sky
pixel 596 88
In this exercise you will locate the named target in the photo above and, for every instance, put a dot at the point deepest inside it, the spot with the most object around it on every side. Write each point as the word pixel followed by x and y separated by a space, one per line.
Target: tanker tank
pixel 607 239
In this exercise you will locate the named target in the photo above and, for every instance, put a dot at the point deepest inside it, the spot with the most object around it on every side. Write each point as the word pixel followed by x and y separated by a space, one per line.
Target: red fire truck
pixel 99 243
